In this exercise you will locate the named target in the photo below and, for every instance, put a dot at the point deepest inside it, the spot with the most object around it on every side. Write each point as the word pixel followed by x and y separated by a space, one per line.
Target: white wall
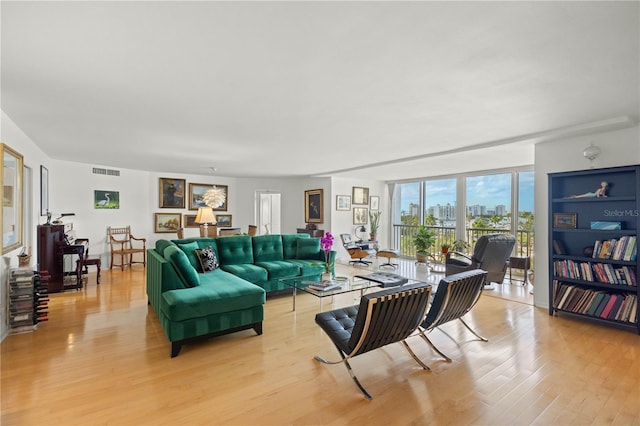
pixel 619 148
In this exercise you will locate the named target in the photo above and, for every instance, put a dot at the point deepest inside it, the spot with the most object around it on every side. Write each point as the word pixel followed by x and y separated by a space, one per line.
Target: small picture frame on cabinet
pixel 565 220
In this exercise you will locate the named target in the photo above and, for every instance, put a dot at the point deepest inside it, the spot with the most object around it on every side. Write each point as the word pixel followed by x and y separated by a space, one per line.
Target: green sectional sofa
pixel 194 304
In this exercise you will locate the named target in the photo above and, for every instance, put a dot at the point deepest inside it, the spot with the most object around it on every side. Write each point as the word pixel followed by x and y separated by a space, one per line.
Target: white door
pixel 268 212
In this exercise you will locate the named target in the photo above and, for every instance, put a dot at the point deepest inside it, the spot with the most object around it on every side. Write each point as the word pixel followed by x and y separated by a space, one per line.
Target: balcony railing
pixel 402 239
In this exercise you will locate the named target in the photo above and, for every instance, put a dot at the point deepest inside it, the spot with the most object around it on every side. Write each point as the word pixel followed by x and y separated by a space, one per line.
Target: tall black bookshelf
pixel 593 266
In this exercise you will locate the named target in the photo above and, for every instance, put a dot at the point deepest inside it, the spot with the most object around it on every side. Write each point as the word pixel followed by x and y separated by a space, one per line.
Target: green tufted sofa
pixel 191 304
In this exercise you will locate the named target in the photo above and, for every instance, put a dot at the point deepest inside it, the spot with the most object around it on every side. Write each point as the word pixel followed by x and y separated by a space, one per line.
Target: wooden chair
pixel 125 245
pixel 180 232
pixel 382 318
pixel 455 296
pixel 252 230
pixel 212 231
pixel 229 231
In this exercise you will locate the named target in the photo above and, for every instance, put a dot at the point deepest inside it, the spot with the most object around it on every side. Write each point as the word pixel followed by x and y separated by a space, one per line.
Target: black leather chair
pixel 491 253
pixel 455 296
pixel 382 318
pixel 356 251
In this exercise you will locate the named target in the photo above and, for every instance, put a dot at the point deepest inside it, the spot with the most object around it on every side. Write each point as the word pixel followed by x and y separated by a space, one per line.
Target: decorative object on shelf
pixel 167 222
pixel 172 193
pixel 565 220
pixel 360 215
pixel 326 243
pixel 422 241
pixel 224 220
pixel 314 206
pixel 360 195
pixel 58 220
pixel 205 217
pixel 106 199
pixel 24 259
pixel 216 197
pixel 374 202
pixel 374 221
pixel 606 225
pixel 343 202
pixel 48 218
pixel 591 153
pixel 600 192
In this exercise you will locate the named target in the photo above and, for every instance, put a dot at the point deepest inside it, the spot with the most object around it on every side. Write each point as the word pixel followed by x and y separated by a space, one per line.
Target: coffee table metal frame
pixel 347 286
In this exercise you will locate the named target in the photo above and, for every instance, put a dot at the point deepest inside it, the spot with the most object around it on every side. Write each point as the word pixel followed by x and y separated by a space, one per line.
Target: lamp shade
pixel 214 197
pixel 205 215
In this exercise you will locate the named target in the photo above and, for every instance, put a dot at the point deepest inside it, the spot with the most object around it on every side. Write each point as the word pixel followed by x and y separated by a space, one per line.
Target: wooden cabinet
pixel 312 232
pixel 593 263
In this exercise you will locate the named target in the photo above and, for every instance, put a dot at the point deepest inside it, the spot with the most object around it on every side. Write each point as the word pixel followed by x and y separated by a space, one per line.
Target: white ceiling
pixel 313 88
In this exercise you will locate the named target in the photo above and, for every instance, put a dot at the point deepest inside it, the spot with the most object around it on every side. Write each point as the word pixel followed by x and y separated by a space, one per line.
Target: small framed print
pixel 360 215
pixel 565 220
pixel 374 203
pixel 224 220
pixel 196 191
pixel 167 222
pixel 360 195
pixel 343 202
pixel 190 221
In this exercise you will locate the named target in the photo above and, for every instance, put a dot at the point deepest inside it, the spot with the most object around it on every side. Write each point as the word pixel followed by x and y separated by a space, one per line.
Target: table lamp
pixel 205 217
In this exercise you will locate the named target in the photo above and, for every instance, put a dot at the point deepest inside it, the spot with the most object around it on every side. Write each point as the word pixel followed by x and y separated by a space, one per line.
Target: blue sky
pixel 488 190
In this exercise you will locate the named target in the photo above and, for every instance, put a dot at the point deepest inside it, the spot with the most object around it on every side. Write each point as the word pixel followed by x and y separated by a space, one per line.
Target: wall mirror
pixel 11 179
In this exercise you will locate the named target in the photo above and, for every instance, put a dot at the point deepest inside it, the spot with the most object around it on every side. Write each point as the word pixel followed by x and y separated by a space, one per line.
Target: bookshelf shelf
pixel 602 286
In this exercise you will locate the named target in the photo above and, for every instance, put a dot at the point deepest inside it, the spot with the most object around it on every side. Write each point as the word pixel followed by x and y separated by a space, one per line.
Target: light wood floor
pixel 104 359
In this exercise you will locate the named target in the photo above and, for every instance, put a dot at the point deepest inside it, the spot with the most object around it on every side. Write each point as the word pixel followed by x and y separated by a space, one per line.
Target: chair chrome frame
pixel 382 318
pixel 456 295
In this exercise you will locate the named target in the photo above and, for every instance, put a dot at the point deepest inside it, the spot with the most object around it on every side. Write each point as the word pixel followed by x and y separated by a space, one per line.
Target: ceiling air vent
pixel 99 171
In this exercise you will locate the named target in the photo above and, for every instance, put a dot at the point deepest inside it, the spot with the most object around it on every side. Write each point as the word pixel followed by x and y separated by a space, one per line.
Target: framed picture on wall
pixel 224 220
pixel 343 202
pixel 313 206
pixel 360 195
pixel 196 191
pixel 167 222
pixel 172 193
pixel 360 215
pixel 374 203
pixel 190 221
pixel 106 199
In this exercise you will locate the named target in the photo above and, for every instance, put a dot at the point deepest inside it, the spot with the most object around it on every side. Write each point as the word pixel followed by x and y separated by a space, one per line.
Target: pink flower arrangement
pixel 326 243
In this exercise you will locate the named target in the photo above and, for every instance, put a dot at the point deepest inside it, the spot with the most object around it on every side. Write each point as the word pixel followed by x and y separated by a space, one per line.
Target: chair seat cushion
pixel 280 269
pixel 338 325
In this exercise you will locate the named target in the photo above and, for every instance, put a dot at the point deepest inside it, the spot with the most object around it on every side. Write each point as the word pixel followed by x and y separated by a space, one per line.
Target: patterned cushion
pixel 208 259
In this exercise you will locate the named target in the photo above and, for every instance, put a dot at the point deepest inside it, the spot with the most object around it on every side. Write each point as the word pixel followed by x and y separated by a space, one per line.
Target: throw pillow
pixel 208 259
pixel 190 250
pixel 308 248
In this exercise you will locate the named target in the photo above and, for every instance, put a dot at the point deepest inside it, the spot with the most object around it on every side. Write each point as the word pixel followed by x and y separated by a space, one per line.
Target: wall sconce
pixel 591 153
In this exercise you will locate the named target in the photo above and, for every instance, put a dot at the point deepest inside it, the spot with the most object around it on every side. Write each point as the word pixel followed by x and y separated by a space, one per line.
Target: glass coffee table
pixel 345 284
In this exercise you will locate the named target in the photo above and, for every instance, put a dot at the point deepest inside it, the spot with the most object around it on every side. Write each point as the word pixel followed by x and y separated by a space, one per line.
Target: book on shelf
pixel 616 307
pixel 558 247
pixel 602 305
pixel 595 303
pixel 609 306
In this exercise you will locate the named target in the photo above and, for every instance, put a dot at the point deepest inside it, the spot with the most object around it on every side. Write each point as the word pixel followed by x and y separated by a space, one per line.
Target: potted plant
pixel 374 222
pixel 445 248
pixel 423 240
pixel 460 245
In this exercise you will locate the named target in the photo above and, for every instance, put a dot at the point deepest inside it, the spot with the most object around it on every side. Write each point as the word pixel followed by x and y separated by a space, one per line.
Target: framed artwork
pixel 167 222
pixel 225 190
pixel 44 190
pixel 360 215
pixel 172 193
pixel 360 195
pixel 374 203
pixel 190 221
pixel 196 191
pixel 224 220
pixel 11 178
pixel 565 220
pixel 106 199
pixel 343 202
pixel 313 206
